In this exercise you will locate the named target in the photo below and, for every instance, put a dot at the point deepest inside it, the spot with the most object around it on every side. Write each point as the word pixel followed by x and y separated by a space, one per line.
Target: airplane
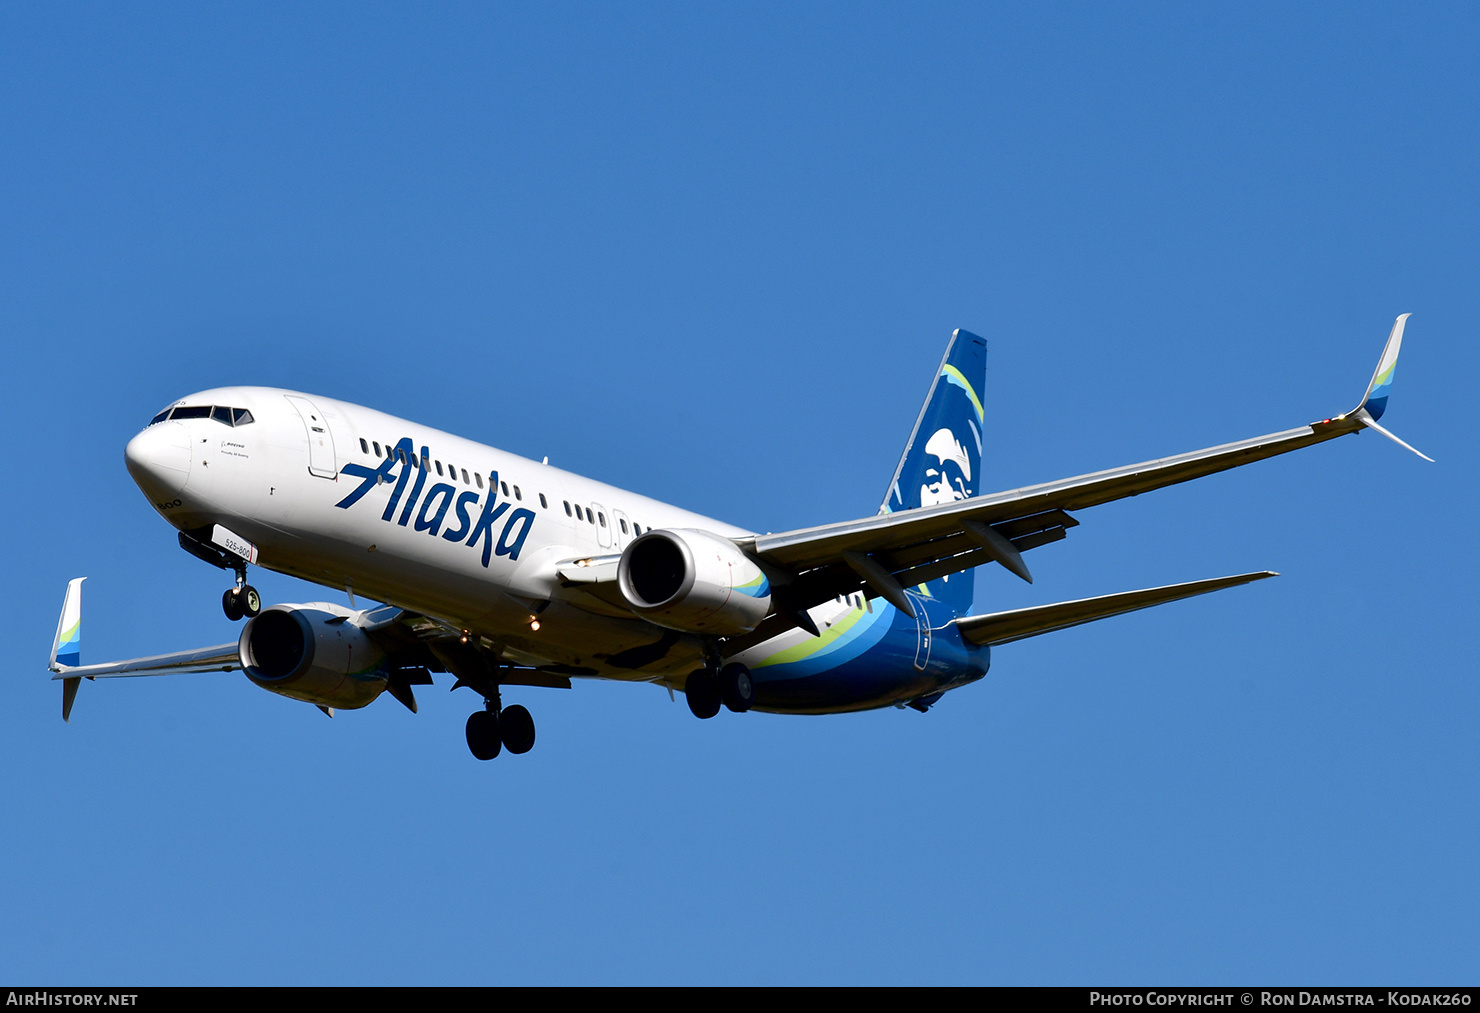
pixel 507 572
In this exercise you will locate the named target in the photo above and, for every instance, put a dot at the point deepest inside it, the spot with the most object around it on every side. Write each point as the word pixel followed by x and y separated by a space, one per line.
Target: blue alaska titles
pixel 439 499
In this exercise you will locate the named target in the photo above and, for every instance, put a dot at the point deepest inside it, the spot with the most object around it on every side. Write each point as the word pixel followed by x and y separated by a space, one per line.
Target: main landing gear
pixel 731 685
pixel 494 728
pixel 241 600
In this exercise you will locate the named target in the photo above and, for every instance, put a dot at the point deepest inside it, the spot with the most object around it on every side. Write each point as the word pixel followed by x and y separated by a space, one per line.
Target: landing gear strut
pixel 495 728
pixel 241 600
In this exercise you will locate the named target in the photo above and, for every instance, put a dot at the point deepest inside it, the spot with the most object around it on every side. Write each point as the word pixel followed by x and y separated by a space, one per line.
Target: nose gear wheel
pixel 242 601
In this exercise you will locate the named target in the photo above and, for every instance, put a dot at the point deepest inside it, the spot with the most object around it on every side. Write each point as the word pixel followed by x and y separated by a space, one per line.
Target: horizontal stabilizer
pixel 1018 624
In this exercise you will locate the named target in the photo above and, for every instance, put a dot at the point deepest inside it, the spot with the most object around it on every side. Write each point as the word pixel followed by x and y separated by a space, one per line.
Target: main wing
pixel 415 645
pixel 890 552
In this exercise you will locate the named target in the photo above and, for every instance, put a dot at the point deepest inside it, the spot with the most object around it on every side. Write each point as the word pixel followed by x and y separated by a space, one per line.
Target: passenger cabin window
pixel 624 525
pixel 506 489
pixel 364 446
pixel 376 445
pixel 439 467
pixel 543 504
pixel 478 478
pixel 516 494
pixel 465 476
pixel 567 506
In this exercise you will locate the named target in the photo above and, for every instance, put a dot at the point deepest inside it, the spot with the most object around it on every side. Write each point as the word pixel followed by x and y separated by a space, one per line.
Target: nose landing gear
pixel 241 600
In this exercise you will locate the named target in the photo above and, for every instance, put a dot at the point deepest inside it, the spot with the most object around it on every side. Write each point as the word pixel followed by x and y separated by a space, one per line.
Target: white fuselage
pixel 279 480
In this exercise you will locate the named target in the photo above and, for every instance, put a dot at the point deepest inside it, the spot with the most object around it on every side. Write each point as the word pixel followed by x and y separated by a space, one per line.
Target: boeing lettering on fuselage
pixel 438 499
pixel 870 612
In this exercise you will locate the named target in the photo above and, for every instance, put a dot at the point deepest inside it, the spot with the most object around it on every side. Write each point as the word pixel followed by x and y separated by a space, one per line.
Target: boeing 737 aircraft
pixel 507 572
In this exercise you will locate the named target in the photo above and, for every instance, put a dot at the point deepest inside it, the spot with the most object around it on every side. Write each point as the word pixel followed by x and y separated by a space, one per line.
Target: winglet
pixel 66 647
pixel 1374 402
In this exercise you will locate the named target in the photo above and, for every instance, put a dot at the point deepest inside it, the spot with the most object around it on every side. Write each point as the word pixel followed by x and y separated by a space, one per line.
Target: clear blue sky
pixel 712 253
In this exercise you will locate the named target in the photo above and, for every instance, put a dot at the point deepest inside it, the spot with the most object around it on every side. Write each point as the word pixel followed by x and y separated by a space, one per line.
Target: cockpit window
pixel 222 414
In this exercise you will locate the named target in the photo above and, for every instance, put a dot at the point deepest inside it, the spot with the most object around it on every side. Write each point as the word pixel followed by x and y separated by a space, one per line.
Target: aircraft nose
pixel 159 460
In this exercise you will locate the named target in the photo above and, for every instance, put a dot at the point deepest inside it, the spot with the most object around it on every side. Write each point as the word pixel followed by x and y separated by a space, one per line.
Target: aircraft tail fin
pixel 66 647
pixel 1374 402
pixel 942 460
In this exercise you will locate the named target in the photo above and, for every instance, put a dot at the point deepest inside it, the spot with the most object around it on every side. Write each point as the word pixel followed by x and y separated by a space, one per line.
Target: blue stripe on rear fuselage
pixel 868 662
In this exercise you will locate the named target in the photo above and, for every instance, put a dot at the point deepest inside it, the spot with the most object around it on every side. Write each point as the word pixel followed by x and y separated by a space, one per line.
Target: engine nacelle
pixel 315 653
pixel 693 581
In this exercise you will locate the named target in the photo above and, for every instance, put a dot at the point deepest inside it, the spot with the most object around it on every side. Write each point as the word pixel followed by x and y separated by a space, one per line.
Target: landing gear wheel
pixel 483 737
pixel 702 693
pixel 516 728
pixel 251 601
pixel 232 605
pixel 736 687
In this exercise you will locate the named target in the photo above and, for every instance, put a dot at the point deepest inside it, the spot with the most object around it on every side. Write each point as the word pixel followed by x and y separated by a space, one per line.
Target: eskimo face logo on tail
pixel 439 499
pixel 948 479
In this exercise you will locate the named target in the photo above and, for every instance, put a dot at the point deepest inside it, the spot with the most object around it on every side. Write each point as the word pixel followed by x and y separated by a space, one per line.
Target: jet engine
pixel 693 581
pixel 314 653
